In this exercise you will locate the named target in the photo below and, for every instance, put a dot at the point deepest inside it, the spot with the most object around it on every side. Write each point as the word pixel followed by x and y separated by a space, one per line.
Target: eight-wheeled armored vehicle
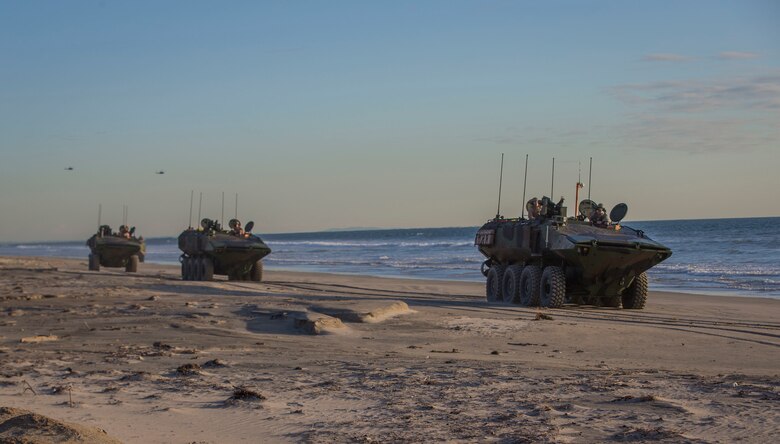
pixel 120 249
pixel 210 250
pixel 552 259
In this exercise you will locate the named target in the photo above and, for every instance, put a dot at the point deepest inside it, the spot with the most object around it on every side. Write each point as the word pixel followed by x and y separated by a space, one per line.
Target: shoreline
pixel 150 358
pixel 664 289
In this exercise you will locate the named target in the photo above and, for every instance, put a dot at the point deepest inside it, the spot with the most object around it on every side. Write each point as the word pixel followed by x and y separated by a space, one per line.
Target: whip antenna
pixel 552 185
pixel 590 170
pixel 525 181
pixel 100 212
pixel 192 195
pixel 500 181
pixel 222 218
pixel 236 205
pixel 200 204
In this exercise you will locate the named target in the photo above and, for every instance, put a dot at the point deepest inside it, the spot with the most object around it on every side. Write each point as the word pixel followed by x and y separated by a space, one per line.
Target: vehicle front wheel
pixel 94 262
pixel 494 283
pixel 256 274
pixel 132 264
pixel 553 289
pixel 635 296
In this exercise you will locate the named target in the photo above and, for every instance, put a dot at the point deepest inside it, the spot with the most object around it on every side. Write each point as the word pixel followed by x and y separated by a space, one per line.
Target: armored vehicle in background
pixel 210 250
pixel 552 259
pixel 120 249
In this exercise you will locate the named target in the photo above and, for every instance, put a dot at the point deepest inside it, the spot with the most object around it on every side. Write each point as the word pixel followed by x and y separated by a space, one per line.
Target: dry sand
pixel 327 358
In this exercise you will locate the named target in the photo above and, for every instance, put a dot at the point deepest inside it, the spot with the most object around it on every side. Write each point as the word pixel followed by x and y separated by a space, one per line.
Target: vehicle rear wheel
pixel 94 262
pixel 207 269
pixel 256 275
pixel 132 264
pixel 511 284
pixel 529 285
pixel 553 289
pixel 494 283
pixel 635 296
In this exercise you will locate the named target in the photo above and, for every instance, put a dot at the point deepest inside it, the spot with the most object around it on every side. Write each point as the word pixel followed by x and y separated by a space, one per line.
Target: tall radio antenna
pixel 590 170
pixel 525 181
pixel 552 185
pixel 236 206
pixel 200 205
pixel 500 181
pixel 192 195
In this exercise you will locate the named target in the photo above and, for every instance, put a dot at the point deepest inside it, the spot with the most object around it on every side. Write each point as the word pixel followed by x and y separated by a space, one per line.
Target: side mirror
pixel 249 226
pixel 618 212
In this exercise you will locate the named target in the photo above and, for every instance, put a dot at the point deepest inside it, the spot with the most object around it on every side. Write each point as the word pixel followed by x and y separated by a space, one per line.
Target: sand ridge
pixel 150 358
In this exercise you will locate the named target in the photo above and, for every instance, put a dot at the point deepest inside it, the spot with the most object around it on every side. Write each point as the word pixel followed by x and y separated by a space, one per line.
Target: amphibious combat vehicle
pixel 553 259
pixel 120 249
pixel 210 250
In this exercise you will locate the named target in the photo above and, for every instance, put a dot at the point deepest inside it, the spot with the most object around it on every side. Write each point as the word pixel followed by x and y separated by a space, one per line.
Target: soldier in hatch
pixel 599 217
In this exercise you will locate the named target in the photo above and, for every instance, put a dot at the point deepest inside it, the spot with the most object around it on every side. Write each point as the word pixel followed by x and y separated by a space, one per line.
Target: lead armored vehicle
pixel 551 259
pixel 121 249
pixel 210 250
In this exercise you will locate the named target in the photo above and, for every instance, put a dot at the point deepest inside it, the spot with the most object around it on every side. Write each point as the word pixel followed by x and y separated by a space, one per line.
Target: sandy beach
pixel 306 357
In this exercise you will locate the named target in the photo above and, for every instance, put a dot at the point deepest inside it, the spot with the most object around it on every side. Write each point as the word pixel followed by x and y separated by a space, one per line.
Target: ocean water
pixel 712 256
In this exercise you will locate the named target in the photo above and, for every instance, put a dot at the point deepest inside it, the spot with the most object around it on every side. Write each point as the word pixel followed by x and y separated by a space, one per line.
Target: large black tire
pixel 186 269
pixel 529 285
pixel 511 284
pixel 494 283
pixel 207 269
pixel 552 291
pixel 94 262
pixel 635 296
pixel 132 264
pixel 256 275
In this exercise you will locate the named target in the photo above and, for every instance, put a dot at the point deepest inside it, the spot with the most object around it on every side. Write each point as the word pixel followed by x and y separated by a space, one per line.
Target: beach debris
pixel 543 317
pixel 188 369
pixel 162 346
pixel 244 395
pixel 629 398
pixel 28 387
pixel 39 338
pixel 215 363
pixel 454 350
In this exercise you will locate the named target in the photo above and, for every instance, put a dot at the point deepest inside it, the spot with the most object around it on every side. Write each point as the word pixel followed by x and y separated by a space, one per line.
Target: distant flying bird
pixel 159 172
pixel 69 169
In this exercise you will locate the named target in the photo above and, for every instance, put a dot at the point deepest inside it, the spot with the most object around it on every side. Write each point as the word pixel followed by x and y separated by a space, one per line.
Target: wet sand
pixel 306 357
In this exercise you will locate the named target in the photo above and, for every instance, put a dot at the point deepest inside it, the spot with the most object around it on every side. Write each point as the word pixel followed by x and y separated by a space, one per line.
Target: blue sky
pixel 391 114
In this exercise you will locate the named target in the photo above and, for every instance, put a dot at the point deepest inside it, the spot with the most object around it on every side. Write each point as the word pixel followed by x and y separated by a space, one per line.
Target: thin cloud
pixel 738 55
pixel 698 115
pixel 666 57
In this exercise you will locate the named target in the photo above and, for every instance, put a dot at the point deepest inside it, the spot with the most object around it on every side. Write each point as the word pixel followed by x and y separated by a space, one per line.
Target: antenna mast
pixel 222 218
pixel 500 181
pixel 552 185
pixel 192 195
pixel 577 188
pixel 525 181
pixel 200 203
pixel 590 170
pixel 100 213
pixel 236 205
